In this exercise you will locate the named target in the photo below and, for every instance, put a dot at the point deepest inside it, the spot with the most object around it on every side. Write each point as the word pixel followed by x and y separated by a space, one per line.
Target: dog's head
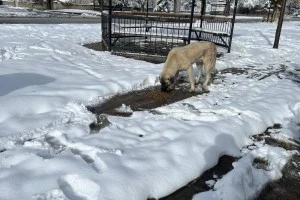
pixel 167 83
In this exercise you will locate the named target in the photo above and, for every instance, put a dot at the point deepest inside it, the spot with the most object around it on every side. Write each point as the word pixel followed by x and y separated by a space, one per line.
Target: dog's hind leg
pixel 209 65
pixel 207 79
pixel 192 78
pixel 199 66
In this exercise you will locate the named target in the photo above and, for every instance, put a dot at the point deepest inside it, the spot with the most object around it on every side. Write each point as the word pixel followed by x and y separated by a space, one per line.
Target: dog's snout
pixel 163 87
pixel 166 87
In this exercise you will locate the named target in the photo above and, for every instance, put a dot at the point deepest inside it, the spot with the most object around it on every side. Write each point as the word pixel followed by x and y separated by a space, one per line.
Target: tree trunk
pixel 177 6
pixel 101 5
pixel 50 4
pixel 279 26
pixel 227 8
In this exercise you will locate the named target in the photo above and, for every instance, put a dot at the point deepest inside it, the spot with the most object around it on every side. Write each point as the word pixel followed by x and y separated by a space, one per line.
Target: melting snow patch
pixel 245 180
pixel 210 183
pixel 124 109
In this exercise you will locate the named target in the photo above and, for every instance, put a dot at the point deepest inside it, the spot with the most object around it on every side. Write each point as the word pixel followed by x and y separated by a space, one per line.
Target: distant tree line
pixel 156 5
pixel 244 6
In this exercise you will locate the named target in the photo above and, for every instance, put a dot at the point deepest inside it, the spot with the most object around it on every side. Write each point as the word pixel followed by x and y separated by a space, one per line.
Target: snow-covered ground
pixel 46 148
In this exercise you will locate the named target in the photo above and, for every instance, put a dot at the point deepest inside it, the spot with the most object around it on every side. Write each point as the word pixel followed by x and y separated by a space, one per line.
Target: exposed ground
pixel 286 188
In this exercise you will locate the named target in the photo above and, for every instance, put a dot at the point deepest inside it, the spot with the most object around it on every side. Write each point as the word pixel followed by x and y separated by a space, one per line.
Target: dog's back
pixel 195 52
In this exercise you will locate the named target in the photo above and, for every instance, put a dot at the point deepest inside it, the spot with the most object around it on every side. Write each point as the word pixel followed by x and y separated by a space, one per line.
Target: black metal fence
pixel 156 33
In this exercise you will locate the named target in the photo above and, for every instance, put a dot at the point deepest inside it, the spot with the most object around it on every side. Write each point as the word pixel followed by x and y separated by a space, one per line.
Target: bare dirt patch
pixel 287 187
pixel 138 100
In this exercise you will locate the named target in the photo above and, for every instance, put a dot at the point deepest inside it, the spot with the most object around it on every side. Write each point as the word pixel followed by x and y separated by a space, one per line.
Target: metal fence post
pixel 191 21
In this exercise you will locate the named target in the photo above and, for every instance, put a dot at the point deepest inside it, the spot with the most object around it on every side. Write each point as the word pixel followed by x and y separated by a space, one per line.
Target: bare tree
pixel 279 26
pixel 163 6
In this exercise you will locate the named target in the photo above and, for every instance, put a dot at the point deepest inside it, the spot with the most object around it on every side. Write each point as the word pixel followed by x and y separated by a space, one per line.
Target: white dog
pixel 182 58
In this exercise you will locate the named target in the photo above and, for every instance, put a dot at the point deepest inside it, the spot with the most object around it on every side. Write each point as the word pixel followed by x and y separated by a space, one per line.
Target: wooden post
pixel 232 25
pixel 279 26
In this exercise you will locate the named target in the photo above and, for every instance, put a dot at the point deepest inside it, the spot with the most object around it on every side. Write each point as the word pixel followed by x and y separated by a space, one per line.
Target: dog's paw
pixel 191 90
pixel 198 80
pixel 205 88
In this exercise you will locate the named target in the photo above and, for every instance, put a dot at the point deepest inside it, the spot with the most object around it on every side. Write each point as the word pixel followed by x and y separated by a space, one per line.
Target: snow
pixel 87 13
pixel 72 187
pixel 47 152
pixel 124 109
pixel 9 11
pixel 245 181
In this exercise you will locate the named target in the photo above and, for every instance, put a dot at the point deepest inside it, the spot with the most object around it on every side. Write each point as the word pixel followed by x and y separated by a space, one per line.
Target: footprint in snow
pixel 89 154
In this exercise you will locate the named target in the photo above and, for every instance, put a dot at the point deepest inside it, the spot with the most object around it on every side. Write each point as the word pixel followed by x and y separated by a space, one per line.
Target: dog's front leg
pixel 176 79
pixel 192 79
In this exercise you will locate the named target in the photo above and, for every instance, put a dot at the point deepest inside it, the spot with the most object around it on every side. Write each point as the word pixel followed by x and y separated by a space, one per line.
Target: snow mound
pixel 77 187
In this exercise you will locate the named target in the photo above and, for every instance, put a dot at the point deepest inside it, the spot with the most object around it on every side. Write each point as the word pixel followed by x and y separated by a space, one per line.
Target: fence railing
pixel 157 33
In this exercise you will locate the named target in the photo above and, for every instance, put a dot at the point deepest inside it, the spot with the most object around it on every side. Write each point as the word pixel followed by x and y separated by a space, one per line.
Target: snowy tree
pixel 123 3
pixel 294 7
pixel 138 4
pixel 252 3
pixel 163 6
pixel 115 3
pixel 187 5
